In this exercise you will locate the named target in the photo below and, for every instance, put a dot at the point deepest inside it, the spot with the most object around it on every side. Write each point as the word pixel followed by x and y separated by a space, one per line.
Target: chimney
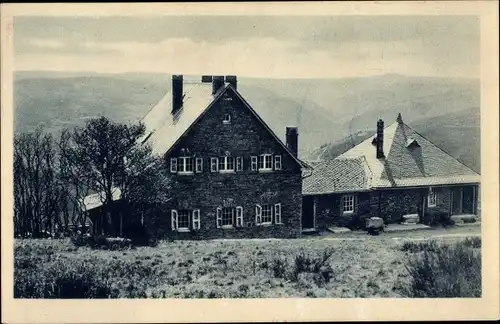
pixel 292 139
pixel 231 79
pixel 177 93
pixel 380 139
pixel 217 82
pixel 206 78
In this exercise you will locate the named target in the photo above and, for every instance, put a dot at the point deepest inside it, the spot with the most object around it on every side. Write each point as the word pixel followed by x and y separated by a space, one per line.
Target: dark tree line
pixel 52 177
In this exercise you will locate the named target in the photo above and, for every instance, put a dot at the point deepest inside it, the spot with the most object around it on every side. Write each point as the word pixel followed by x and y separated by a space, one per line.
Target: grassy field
pixel 311 267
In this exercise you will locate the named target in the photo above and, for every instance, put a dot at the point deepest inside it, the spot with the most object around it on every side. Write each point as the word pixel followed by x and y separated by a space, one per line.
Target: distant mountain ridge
pixel 325 110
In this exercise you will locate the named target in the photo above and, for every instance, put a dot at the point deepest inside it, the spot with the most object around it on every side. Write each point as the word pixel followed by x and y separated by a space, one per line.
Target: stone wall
pixel 390 205
pixel 244 136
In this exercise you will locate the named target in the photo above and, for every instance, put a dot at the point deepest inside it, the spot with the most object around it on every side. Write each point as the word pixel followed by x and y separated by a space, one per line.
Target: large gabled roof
pixel 164 130
pixel 410 160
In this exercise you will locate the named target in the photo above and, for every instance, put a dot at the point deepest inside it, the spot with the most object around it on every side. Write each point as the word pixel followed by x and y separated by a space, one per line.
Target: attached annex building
pixel 395 173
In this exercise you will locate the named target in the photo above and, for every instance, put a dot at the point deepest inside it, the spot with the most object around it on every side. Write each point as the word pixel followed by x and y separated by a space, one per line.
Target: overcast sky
pixel 256 46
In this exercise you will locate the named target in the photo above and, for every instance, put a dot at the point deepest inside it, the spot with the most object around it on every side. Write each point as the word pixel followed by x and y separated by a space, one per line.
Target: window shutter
pixel 239 216
pixel 173 219
pixel 196 219
pixel 258 214
pixel 277 214
pixel 254 163
pixel 239 163
pixel 173 165
pixel 277 162
pixel 214 164
pixel 219 217
pixel 199 165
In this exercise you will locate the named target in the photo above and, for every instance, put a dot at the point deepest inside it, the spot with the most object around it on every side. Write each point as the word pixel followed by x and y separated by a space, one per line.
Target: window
pixel 226 164
pixel 348 204
pixel 173 165
pixel 199 165
pixel 183 220
pixel 226 217
pixel 432 198
pixel 277 162
pixel 214 164
pixel 254 163
pixel 265 162
pixel 264 214
pixel 180 220
pixel 267 214
pixel 227 119
pixel 185 164
pixel 239 163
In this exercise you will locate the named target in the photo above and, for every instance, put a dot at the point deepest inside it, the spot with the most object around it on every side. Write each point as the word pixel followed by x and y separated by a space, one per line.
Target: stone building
pixel 395 173
pixel 231 176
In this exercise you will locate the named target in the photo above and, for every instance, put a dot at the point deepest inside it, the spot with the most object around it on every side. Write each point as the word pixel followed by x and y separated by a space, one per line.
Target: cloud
pixel 46 43
pixel 253 57
pixel 266 46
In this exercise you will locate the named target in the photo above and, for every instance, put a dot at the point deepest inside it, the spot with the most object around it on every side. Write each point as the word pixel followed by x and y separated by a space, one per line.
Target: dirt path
pixel 453 232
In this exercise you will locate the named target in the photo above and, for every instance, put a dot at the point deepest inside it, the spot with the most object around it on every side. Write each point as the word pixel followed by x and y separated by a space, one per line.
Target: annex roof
pixel 410 160
pixel 95 200
pixel 336 176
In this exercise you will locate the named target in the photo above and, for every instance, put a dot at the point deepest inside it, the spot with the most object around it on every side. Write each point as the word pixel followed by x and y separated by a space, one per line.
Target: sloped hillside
pixel 325 110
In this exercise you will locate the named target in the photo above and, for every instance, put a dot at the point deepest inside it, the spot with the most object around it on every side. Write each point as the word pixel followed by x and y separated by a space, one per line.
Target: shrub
pixel 413 247
pixel 449 271
pixel 316 265
pixel 473 242
pixel 279 267
pixel 60 280
pixel 468 220
pixel 438 217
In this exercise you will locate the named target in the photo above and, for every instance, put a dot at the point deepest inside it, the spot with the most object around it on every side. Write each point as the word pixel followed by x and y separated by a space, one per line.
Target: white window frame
pixel 432 194
pixel 196 222
pixel 271 211
pixel 232 213
pixel 277 162
pixel 254 163
pixel 173 165
pixel 350 201
pixel 225 120
pixel 239 163
pixel 239 216
pixel 198 165
pixel 265 157
pixel 224 160
pixel 188 216
pixel 214 164
pixel 277 214
pixel 182 165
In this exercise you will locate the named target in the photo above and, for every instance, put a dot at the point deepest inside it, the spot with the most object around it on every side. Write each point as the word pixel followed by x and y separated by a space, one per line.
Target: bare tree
pixel 36 189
